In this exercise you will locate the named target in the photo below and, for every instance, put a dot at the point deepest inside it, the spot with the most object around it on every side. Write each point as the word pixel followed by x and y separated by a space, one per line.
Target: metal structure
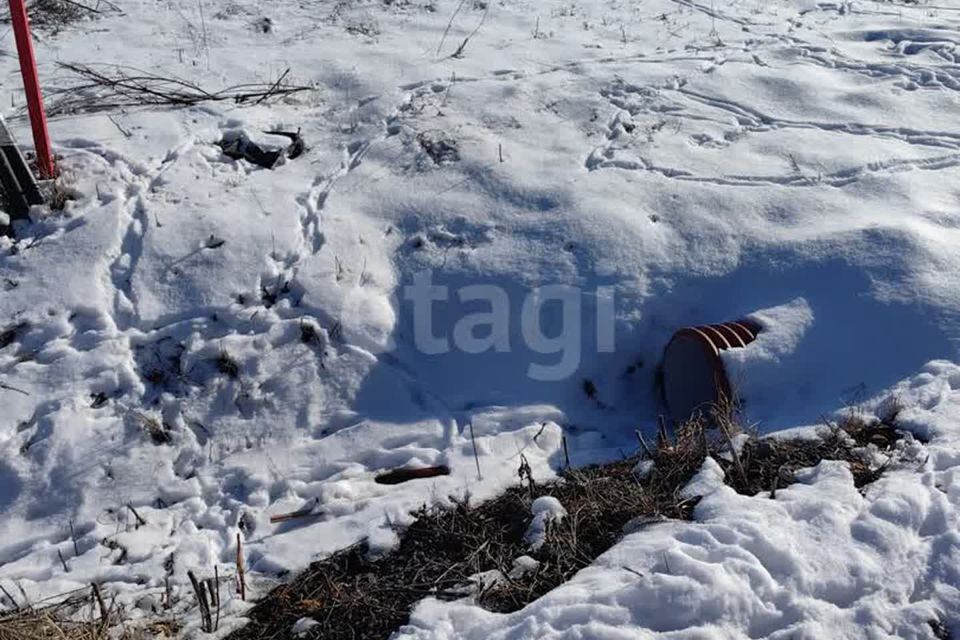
pixel 694 378
pixel 19 186
pixel 31 86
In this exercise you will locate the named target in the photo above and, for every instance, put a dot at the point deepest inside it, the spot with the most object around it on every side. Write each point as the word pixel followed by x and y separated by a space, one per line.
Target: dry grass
pixel 470 549
pixel 60 195
pixel 771 463
pixel 40 625
pixel 444 550
pixel 79 617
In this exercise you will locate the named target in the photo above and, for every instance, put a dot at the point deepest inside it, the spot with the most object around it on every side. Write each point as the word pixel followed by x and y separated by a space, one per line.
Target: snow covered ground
pixel 467 240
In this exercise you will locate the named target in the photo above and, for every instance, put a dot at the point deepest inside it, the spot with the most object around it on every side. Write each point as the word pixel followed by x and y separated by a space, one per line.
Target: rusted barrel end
pixel 694 378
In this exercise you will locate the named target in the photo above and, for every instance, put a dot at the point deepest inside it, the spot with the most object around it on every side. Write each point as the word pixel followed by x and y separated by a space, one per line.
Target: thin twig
pixel 81 6
pixel 463 45
pixel 273 88
pixel 449 25
pixel 73 536
pixel 140 521
pixel 301 513
pixel 476 455
pixel 216 594
pixel 241 581
pixel 104 614
pixel 663 438
pixel 643 444
pixel 16 606
pixel 12 388
pixel 206 621
pixel 126 133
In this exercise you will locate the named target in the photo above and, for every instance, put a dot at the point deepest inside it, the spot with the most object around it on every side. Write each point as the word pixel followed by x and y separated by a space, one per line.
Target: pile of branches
pixel 54 15
pixel 113 87
pixel 451 552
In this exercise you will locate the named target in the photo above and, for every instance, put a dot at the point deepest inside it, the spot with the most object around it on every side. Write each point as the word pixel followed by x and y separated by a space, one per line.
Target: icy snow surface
pixel 654 164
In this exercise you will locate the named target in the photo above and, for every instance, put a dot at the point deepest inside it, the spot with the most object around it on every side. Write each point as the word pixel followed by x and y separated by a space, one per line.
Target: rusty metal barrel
pixel 694 378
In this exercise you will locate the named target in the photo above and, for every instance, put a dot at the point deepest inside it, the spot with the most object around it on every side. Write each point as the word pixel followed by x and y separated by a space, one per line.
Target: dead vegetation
pixel 80 615
pixel 158 432
pixel 159 363
pixel 55 15
pixel 466 549
pixel 771 463
pixel 227 365
pixel 440 148
pixel 103 88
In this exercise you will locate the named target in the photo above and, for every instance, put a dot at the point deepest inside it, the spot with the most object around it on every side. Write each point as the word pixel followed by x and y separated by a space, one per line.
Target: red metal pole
pixel 31 85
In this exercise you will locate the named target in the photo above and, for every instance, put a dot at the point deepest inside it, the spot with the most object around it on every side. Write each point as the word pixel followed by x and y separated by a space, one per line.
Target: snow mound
pixel 302 627
pixel 762 375
pixel 706 481
pixel 546 511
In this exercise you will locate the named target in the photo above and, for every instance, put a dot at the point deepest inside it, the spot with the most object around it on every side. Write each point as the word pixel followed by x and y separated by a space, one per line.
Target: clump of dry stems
pixel 55 15
pixel 83 614
pixel 469 549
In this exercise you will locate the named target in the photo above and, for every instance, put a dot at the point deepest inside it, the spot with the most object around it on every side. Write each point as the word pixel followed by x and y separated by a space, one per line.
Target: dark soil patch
pixel 466 549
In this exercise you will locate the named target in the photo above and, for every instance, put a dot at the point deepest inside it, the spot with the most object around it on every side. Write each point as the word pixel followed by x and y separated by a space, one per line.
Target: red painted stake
pixel 31 84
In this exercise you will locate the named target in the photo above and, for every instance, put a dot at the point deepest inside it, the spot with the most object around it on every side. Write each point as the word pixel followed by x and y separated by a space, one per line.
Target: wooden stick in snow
pixel 241 580
pixel 301 513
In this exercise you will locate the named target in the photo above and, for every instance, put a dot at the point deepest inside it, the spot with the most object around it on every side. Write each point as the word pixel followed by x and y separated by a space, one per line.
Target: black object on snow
pixel 17 181
pixel 239 147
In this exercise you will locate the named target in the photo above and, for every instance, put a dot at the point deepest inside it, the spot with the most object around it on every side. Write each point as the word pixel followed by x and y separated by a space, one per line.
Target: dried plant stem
pixel 241 578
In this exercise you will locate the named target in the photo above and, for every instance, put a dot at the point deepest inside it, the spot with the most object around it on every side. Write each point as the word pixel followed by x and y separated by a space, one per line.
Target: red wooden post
pixel 31 84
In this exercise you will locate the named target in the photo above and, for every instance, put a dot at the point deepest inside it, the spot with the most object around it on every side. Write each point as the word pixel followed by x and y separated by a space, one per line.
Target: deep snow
pixel 653 165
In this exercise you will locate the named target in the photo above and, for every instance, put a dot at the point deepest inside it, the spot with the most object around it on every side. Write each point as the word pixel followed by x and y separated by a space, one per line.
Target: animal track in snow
pixel 906 75
pixel 755 121
pixel 315 199
pixel 675 101
pixel 124 265
pixel 839 178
